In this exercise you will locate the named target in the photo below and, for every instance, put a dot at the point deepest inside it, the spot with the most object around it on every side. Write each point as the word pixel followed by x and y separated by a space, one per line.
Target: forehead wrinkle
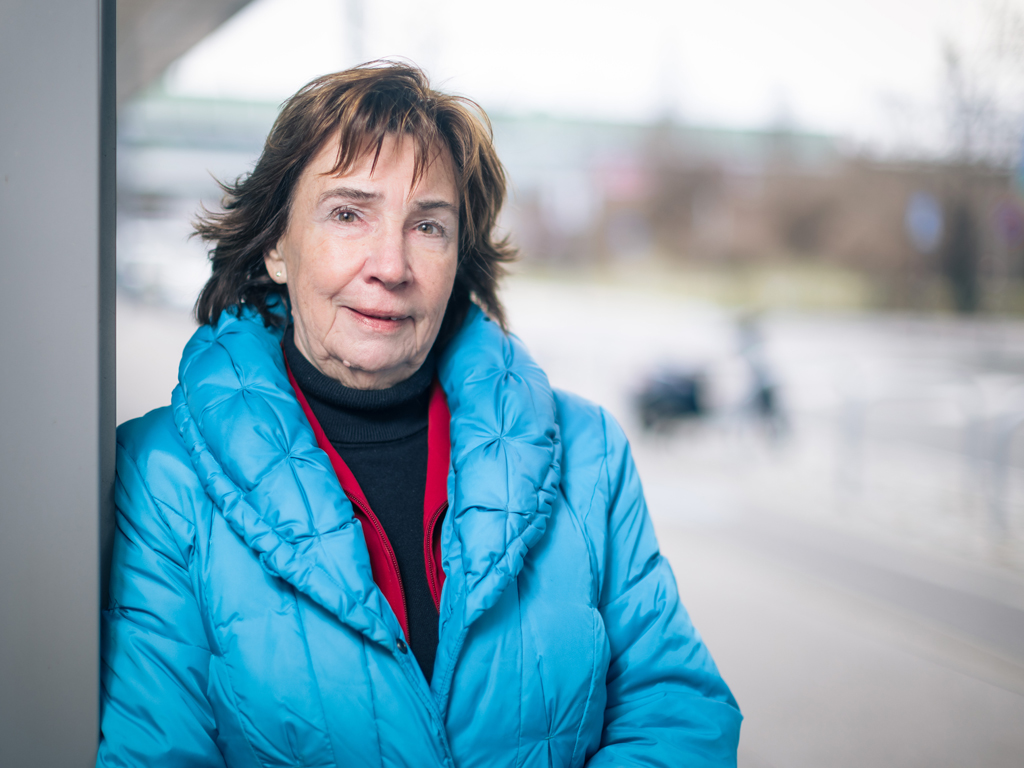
pixel 429 151
pixel 437 159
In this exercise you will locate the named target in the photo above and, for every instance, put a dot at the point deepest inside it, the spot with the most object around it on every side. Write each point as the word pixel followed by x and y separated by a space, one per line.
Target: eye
pixel 429 228
pixel 345 216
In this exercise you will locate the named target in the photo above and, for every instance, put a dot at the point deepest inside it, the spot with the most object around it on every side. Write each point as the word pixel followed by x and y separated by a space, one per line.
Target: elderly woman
pixel 367 531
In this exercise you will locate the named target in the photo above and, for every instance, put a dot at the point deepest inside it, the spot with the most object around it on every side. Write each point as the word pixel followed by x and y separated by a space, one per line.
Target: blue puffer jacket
pixel 245 629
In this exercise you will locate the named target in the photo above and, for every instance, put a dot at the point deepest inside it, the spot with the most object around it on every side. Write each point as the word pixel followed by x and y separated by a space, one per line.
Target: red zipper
pixel 404 618
pixel 428 554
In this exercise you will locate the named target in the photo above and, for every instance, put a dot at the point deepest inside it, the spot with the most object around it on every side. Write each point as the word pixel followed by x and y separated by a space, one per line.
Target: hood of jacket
pixel 257 458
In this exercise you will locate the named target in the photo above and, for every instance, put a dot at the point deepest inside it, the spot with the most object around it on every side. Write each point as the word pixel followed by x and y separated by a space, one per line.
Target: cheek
pixel 443 280
pixel 312 294
pixel 321 271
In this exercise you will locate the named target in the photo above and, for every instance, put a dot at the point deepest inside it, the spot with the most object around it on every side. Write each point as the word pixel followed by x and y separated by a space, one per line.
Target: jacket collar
pixel 257 457
pixel 506 459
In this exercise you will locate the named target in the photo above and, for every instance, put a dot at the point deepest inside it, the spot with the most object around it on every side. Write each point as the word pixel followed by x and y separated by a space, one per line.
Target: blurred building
pixel 687 196
pixel 922 235
pixel 172 152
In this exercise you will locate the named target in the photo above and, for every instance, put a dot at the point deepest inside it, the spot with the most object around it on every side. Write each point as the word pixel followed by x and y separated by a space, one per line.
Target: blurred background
pixel 783 243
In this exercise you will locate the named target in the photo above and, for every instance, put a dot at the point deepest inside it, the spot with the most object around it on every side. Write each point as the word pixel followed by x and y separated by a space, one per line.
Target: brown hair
pixel 361 106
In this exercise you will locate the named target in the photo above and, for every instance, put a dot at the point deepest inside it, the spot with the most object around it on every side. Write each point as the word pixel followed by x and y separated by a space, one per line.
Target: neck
pixel 351 415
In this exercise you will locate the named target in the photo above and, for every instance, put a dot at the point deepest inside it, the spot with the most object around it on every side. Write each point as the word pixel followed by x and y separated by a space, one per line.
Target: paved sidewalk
pixel 835 659
pixel 150 340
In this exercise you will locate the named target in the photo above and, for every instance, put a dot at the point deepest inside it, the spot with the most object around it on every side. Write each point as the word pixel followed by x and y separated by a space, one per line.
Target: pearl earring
pixel 278 273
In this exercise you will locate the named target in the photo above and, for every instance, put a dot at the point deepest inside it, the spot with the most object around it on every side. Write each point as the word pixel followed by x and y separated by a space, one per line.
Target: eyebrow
pixel 351 193
pixel 433 205
pixel 363 196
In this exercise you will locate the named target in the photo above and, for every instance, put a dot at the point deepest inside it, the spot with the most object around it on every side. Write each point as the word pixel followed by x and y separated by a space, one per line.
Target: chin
pixel 384 363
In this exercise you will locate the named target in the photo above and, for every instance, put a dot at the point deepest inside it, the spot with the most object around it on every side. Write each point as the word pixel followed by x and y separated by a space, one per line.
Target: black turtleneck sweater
pixel 382 436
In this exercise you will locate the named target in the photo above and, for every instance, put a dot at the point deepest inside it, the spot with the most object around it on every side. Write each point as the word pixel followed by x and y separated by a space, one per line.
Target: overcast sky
pixel 865 69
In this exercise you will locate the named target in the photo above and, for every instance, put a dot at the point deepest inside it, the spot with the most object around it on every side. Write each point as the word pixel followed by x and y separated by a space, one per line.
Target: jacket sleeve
pixel 155 657
pixel 667 704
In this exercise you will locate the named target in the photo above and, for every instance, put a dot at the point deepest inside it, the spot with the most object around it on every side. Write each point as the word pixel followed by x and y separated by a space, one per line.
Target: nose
pixel 388 261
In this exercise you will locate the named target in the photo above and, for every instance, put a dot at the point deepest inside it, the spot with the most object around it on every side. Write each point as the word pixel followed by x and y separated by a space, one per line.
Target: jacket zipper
pixel 391 553
pixel 428 555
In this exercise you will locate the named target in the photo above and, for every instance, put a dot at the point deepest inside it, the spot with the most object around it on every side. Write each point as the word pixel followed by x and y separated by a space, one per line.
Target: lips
pixel 378 315
pixel 379 321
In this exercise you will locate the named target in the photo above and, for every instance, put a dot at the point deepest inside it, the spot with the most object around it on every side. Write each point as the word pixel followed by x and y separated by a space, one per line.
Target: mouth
pixel 378 320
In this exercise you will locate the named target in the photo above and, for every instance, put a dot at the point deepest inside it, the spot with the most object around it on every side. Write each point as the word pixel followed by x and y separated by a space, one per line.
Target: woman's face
pixel 369 261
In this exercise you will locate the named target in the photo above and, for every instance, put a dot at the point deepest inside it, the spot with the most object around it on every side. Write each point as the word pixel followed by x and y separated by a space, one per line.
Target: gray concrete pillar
pixel 57 219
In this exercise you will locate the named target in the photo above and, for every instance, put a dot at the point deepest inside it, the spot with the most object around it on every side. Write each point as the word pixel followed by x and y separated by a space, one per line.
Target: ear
pixel 274 262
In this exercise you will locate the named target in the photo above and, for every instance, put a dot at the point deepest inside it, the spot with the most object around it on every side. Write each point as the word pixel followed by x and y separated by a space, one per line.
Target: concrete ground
pixel 873 621
pixel 838 660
